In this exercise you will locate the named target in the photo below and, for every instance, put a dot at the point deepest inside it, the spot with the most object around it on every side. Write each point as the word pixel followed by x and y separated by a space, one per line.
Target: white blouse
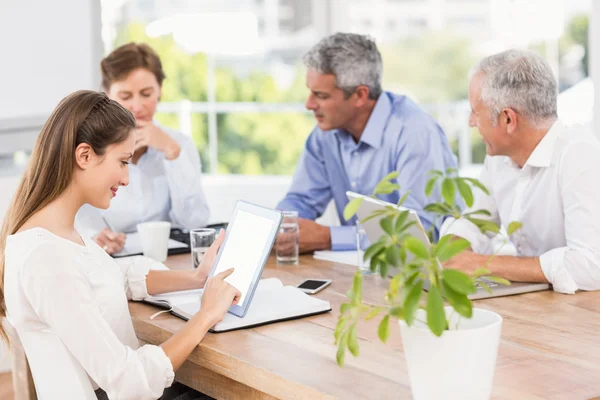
pixel 68 304
pixel 158 190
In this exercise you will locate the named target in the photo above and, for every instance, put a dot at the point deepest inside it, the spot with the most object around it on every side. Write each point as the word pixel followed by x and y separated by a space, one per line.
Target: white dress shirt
pixel 68 304
pixel 158 190
pixel 556 196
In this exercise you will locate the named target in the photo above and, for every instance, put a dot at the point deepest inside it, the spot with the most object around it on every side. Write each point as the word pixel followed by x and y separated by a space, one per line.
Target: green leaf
pixel 373 313
pixel 438 208
pixel 403 198
pixel 436 318
pixel 387 225
pixel 436 172
pixel 344 308
pixel 448 191
pixel 452 248
pixel 341 325
pixel 513 226
pixel 390 176
pixel 341 351
pixel 430 185
pixel 351 208
pixel 484 286
pixel 373 265
pixel 397 312
pixel 480 212
pixel 478 184
pixel 484 225
pixel 411 302
pixel 374 214
pixel 357 287
pixel 451 171
pixel 384 329
pixel 392 255
pixel 383 268
pixel 405 227
pixel 403 255
pixel 400 219
pixel 499 280
pixel 374 250
pixel 441 244
pixel 353 341
pixel 416 247
pixel 386 188
pixel 458 281
pixel 413 276
pixel 480 272
pixel 395 284
pixel 465 192
pixel 459 302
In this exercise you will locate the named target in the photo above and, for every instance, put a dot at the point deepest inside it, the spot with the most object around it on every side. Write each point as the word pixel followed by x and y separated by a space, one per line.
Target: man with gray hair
pixel 538 172
pixel 362 134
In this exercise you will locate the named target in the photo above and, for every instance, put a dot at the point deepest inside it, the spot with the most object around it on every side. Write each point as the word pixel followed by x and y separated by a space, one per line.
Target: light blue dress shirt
pixel 399 136
pixel 158 190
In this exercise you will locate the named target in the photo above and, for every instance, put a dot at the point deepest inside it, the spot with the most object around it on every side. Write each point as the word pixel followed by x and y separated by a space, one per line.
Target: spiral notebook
pixel 272 302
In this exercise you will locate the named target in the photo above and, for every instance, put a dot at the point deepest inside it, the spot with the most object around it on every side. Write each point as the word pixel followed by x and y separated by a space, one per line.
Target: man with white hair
pixel 362 134
pixel 538 172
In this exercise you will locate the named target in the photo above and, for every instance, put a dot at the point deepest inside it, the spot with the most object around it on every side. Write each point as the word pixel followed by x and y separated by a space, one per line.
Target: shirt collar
pixel 542 154
pixel 373 133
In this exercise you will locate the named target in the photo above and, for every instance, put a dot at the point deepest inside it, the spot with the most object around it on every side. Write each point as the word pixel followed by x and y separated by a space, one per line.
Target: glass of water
pixel 362 244
pixel 200 241
pixel 287 243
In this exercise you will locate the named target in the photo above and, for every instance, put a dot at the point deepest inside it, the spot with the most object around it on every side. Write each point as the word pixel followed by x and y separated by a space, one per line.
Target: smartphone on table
pixel 312 286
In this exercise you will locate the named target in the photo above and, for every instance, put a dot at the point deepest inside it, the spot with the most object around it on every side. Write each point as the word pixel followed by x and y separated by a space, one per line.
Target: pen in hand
pixel 111 241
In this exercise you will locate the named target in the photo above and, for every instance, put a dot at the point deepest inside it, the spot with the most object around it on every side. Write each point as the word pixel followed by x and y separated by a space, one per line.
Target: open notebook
pixel 133 246
pixel 272 302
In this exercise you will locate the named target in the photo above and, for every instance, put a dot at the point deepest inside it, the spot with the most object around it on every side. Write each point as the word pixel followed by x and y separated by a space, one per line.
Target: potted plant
pixel 450 350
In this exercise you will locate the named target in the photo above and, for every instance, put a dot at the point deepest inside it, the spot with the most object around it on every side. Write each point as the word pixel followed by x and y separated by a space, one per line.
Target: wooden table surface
pixel 550 346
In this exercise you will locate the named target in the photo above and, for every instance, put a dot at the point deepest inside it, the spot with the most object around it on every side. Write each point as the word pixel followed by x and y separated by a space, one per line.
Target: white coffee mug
pixel 154 237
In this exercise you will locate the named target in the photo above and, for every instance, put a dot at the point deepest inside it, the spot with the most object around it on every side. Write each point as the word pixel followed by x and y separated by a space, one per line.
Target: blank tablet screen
pixel 247 239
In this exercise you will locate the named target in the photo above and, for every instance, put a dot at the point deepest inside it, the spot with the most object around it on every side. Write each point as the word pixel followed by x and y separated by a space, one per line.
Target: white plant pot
pixel 457 365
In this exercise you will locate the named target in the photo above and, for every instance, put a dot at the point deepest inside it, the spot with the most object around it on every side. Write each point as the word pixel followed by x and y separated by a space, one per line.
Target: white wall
pixel 49 49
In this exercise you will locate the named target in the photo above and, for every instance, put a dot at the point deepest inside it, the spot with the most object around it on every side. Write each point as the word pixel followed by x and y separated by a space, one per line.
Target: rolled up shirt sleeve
pixel 343 238
pixel 123 372
pixel 134 270
pixel 577 265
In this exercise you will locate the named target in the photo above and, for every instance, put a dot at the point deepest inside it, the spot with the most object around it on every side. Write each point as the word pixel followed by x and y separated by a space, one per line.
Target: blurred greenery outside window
pixel 433 69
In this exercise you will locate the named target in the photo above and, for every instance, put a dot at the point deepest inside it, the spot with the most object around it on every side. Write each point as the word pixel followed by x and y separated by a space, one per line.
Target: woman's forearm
pixel 171 281
pixel 179 346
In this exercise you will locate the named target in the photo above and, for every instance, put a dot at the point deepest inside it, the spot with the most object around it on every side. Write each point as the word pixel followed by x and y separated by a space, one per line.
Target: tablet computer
pixel 248 241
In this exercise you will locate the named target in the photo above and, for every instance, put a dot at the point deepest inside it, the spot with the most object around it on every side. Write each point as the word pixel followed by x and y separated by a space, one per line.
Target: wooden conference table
pixel 550 346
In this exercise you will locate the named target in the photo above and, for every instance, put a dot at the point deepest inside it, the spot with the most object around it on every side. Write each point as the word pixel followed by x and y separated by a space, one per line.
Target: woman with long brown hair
pixel 63 293
pixel 166 179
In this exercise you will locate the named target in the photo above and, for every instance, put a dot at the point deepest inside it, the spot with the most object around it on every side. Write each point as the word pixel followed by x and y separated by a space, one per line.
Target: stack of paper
pixel 341 257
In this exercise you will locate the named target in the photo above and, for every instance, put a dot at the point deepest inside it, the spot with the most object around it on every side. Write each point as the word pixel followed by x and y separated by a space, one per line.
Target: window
pixel 257 124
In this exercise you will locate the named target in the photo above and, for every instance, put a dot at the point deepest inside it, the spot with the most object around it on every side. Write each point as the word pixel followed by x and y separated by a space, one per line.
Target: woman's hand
pixel 209 258
pixel 149 135
pixel 218 296
pixel 111 242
